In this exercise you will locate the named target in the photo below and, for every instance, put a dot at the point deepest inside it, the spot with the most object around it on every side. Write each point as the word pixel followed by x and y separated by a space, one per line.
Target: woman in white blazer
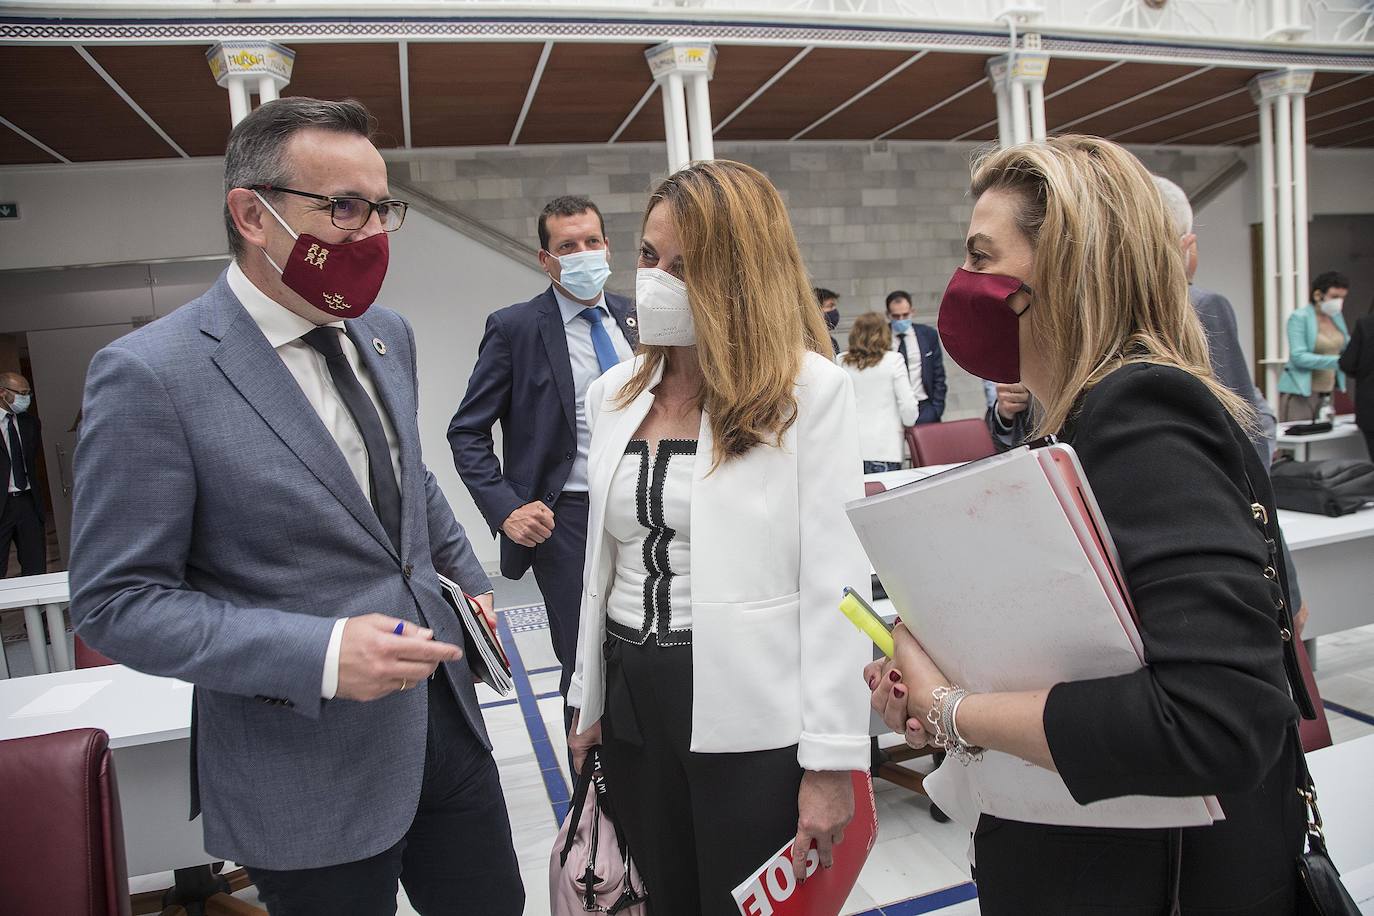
pixel 882 391
pixel 713 666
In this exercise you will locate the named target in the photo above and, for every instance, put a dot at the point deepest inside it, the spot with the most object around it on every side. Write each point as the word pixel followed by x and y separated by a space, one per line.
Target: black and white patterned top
pixel 649 515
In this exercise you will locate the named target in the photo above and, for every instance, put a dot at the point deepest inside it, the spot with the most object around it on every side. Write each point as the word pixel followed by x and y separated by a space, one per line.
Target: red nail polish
pixel 873 682
pixel 894 675
pixel 899 692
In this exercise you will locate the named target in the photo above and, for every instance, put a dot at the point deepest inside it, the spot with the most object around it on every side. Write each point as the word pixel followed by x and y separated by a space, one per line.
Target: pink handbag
pixel 590 870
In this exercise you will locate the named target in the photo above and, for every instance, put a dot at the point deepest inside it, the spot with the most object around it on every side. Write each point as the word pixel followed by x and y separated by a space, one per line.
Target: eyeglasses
pixel 352 213
pixel 16 390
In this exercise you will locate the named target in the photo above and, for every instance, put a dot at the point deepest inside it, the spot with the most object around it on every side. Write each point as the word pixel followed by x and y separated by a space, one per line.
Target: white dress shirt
pixel 585 370
pixel 913 366
pixel 9 417
pixel 284 329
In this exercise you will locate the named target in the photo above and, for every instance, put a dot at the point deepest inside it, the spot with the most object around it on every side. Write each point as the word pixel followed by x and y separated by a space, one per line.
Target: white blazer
pixel 886 404
pixel 774 662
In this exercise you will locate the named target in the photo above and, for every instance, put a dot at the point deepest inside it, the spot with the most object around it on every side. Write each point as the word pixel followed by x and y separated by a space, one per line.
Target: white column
pixel 699 117
pixel 675 121
pixel 33 627
pixel 1283 148
pixel 57 635
pixel 1020 130
pixel 267 89
pixel 1004 128
pixel 239 103
pixel 1300 196
pixel 1272 330
pixel 1037 109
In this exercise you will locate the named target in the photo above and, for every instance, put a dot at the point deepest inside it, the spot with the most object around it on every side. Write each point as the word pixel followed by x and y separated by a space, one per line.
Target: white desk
pixel 50 592
pixel 1332 555
pixel 1341 774
pixel 1343 441
pixel 148 720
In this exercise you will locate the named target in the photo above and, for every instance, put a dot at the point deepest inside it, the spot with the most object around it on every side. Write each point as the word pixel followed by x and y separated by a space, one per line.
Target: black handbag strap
pixel 579 798
pixel 1277 570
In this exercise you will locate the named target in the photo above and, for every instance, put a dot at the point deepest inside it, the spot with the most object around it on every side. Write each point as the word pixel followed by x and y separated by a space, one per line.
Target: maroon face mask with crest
pixel 342 280
pixel 978 328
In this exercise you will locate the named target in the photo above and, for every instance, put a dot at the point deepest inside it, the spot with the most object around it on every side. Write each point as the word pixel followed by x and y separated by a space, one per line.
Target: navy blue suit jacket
pixel 523 380
pixel 932 374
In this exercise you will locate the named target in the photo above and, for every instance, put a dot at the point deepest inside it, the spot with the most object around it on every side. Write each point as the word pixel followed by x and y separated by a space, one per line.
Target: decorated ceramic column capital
pixel 246 66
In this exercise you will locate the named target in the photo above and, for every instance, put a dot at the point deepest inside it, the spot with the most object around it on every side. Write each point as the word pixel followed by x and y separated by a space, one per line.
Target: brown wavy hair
pixel 869 340
pixel 751 302
pixel 1110 284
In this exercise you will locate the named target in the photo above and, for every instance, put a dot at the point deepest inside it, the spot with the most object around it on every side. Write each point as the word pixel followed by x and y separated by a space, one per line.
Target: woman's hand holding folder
pixel 903 693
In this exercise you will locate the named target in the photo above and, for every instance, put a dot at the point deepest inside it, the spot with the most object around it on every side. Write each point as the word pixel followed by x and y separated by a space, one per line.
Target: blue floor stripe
pixel 927 903
pixel 549 767
pixel 533 671
pixel 497 703
pixel 1364 717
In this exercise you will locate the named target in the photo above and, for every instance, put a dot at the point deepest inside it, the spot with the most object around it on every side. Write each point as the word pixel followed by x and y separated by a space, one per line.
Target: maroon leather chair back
pixel 1315 733
pixel 949 443
pixel 64 839
pixel 873 488
pixel 86 657
pixel 1343 401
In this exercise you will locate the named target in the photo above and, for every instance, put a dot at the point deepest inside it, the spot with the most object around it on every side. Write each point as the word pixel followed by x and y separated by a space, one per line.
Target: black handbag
pixel 1320 891
pixel 1336 486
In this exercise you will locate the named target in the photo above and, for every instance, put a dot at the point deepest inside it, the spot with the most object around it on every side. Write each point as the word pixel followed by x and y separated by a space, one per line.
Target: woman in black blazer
pixel 1074 284
pixel 1357 362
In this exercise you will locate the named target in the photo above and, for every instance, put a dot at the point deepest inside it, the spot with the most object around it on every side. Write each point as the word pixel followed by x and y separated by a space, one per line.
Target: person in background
pixel 1358 363
pixel 21 512
pixel 882 392
pixel 829 301
pixel 253 515
pixel 1009 418
pixel 712 666
pixel 534 366
pixel 1074 283
pixel 1316 336
pixel 1229 365
pixel 919 346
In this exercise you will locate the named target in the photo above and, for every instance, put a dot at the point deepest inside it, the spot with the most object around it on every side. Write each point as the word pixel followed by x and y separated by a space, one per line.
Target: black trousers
pixel 1369 442
pixel 558 571
pixel 697 824
pixel 21 525
pixel 457 858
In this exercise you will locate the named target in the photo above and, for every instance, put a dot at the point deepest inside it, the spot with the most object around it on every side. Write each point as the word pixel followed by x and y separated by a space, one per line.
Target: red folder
pixel 773 891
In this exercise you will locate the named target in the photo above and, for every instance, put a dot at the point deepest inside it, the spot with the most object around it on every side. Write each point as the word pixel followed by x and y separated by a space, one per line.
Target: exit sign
pixel 9 211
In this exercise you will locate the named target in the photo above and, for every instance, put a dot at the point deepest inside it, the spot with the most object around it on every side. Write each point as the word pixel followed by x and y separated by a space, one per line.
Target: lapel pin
pixel 630 322
pixel 379 346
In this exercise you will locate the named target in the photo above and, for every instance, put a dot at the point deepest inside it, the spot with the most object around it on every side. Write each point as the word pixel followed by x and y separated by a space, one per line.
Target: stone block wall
pixel 870 218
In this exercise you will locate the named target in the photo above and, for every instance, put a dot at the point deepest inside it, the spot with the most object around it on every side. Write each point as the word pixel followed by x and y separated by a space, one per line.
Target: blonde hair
pixel 869 340
pixel 751 302
pixel 1109 278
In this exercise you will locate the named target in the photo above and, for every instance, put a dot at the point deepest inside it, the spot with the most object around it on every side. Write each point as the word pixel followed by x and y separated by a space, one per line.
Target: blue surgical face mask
pixel 901 325
pixel 584 273
pixel 21 402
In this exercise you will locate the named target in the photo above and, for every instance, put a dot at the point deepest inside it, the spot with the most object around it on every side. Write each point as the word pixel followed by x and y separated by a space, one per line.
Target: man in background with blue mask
pixel 21 511
pixel 919 345
pixel 534 365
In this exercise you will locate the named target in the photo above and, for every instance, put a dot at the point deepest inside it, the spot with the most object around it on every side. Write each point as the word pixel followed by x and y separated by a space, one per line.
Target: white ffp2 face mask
pixel 665 316
pixel 1332 307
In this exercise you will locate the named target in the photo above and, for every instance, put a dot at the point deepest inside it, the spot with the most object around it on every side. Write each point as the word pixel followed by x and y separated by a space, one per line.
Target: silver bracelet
pixel 941 718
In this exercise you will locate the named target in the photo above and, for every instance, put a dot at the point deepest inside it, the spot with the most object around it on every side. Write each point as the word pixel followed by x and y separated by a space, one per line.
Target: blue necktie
pixel 605 350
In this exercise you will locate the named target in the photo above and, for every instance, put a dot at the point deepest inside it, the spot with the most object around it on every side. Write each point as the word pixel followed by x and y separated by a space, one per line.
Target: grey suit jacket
pixel 217 534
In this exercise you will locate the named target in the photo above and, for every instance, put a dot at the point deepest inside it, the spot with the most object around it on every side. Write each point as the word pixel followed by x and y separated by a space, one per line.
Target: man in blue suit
pixel 252 515
pixel 534 366
pixel 919 345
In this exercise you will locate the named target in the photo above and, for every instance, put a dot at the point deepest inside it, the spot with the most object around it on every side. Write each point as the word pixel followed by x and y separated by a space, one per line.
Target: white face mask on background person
pixel 665 316
pixel 583 273
pixel 1332 307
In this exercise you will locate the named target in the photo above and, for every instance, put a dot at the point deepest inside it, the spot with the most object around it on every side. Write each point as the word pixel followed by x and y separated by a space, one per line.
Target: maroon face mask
pixel 342 280
pixel 978 328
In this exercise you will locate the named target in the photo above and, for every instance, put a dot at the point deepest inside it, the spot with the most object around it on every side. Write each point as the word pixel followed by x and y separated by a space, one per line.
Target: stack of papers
pixel 1005 570
pixel 485 656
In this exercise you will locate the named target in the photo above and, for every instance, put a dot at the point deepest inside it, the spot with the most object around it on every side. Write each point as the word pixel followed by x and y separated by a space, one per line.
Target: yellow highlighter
pixel 862 615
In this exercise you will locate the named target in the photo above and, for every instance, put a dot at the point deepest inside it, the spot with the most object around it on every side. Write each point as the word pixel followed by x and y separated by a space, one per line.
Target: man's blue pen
pixel 400 628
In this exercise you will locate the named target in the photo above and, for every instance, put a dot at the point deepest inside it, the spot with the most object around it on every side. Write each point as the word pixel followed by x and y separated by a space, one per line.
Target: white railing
pixel 1319 22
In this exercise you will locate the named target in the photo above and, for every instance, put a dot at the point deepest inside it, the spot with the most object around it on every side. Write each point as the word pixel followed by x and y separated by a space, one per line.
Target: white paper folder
pixel 1005 570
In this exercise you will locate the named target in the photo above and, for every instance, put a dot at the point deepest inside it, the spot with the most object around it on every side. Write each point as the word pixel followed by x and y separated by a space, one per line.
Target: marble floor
pixel 917 864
